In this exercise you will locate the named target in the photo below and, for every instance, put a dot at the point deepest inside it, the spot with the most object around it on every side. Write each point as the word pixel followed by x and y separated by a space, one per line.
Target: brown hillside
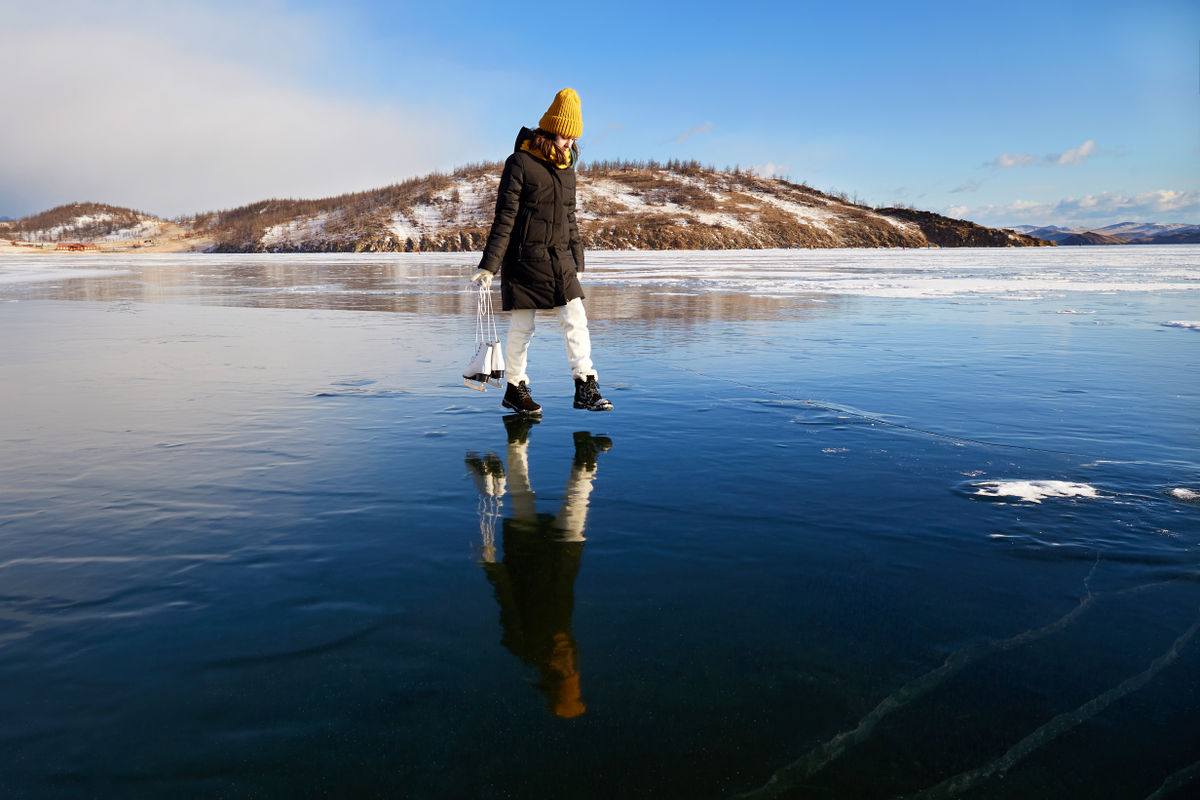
pixel 621 206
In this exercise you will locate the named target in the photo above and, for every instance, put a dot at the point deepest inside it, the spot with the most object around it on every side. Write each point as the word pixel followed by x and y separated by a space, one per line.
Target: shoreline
pixel 201 244
pixel 168 237
pixel 173 244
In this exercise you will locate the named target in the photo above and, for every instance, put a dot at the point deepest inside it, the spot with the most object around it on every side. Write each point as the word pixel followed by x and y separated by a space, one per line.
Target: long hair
pixel 543 142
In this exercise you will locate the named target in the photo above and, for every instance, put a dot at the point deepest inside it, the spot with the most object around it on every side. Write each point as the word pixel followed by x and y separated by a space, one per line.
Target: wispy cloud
pixel 1160 205
pixel 971 185
pixel 696 131
pixel 613 127
pixel 1076 155
pixel 1009 160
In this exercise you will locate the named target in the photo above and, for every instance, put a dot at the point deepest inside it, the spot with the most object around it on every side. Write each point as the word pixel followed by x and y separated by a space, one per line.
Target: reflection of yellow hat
pixel 564 116
pixel 563 679
pixel 565 699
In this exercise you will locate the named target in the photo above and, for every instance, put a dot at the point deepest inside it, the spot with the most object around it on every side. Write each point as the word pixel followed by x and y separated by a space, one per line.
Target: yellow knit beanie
pixel 563 117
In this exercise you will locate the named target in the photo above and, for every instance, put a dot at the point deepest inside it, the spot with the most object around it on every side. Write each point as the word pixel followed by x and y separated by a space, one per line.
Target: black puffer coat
pixel 534 242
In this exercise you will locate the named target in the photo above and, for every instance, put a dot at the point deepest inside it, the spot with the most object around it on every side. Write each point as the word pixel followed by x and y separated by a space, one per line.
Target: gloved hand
pixel 484 278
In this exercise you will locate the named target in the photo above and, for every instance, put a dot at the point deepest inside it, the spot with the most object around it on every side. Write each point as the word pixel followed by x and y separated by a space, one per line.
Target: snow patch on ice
pixel 1186 495
pixel 1033 491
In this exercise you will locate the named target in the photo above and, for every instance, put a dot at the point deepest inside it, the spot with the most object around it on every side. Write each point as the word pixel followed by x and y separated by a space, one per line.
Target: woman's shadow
pixel 534 580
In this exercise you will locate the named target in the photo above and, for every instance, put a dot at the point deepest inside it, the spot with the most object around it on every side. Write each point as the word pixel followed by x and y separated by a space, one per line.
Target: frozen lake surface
pixel 863 524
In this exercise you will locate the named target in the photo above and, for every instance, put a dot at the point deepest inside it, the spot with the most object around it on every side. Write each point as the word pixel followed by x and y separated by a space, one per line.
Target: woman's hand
pixel 484 278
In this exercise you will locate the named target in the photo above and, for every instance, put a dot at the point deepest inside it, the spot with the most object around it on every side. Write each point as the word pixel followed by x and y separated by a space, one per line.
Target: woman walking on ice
pixel 535 242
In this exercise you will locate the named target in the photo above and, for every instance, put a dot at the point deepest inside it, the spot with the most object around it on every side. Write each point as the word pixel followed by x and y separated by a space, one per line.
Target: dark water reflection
pixel 241 546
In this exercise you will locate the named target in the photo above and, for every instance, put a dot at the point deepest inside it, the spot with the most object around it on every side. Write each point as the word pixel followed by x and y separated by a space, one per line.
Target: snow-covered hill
pixel 622 206
pixel 91 222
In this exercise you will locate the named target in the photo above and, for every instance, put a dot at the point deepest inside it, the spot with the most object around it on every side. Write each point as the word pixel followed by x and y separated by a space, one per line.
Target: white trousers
pixel 573 320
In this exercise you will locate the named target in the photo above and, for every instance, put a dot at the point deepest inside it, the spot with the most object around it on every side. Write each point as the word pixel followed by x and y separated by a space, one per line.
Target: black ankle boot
pixel 516 397
pixel 587 395
pixel 587 447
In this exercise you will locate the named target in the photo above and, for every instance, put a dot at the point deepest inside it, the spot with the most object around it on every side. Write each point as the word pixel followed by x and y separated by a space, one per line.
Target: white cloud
pixel 958 212
pixel 769 170
pixel 189 109
pixel 1073 156
pixel 696 131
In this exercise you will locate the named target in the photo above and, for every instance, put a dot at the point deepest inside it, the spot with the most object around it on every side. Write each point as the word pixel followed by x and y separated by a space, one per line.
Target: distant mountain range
pixel 1120 233
pixel 622 206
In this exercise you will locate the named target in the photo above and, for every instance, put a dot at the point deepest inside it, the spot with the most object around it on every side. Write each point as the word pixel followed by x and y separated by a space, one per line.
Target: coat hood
pixel 527 134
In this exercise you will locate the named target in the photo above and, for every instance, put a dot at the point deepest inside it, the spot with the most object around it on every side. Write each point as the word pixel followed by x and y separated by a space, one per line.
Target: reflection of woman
pixel 534 582
pixel 535 239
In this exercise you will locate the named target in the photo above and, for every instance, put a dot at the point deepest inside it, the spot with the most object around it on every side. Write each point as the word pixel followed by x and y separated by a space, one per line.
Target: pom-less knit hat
pixel 563 117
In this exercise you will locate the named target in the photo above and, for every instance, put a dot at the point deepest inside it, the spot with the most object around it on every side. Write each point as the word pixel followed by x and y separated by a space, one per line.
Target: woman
pixel 535 241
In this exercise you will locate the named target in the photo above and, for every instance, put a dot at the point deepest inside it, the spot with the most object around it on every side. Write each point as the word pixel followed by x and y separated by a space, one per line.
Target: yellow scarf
pixel 533 151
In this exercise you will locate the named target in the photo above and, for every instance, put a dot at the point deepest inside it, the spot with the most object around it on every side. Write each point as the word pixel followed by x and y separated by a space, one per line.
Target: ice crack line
pixel 803 768
pixel 879 420
pixel 796 773
pixel 956 786
pixel 1176 781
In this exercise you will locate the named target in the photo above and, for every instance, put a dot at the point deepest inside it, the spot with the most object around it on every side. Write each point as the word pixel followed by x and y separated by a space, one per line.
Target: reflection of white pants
pixel 573 320
pixel 572 515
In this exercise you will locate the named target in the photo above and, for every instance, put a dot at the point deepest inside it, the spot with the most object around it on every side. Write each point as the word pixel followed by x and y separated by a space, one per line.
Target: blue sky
pixel 1007 114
